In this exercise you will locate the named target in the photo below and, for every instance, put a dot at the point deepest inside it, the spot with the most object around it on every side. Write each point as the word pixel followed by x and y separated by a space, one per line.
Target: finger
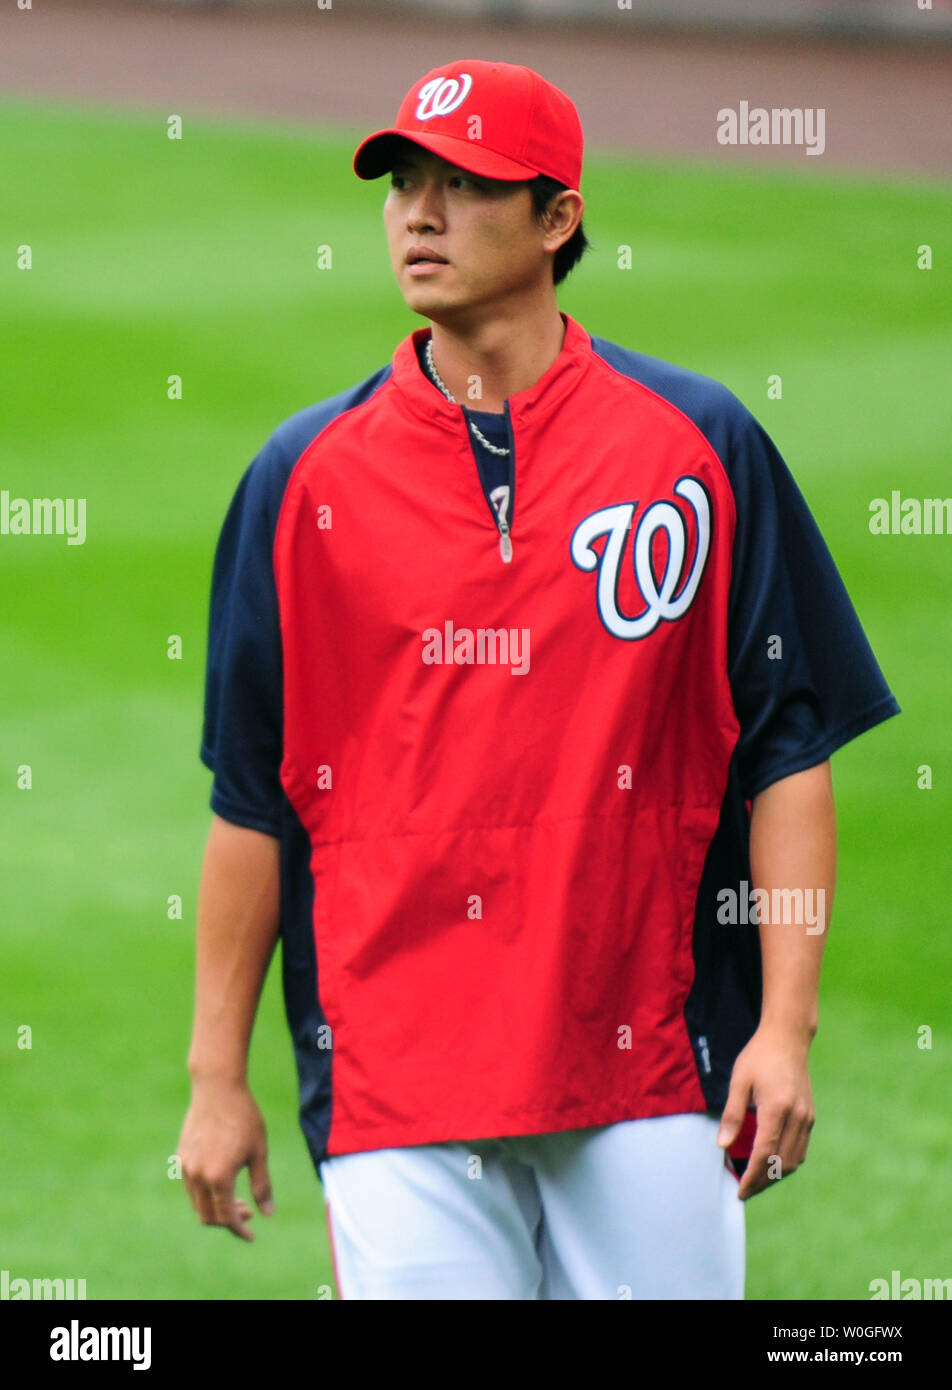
pixel 783 1160
pixel 189 1185
pixel 225 1209
pixel 240 1225
pixel 734 1114
pixel 764 1170
pixel 794 1137
pixel 754 1178
pixel 768 1167
pixel 261 1183
pixel 766 1148
pixel 801 1138
pixel 201 1200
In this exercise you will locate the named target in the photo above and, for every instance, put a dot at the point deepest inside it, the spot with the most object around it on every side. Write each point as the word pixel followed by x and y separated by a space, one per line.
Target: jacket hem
pixel 367 1137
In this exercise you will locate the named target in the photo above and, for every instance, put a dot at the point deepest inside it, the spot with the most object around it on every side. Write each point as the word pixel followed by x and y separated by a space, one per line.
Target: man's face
pixel 485 229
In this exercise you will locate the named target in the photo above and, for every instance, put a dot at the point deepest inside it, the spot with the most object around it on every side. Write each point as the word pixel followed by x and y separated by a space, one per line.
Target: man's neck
pixel 483 366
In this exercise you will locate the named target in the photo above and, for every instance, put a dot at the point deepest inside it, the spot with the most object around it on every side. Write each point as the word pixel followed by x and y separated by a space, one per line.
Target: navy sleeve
pixel 803 677
pixel 242 733
pixel 242 738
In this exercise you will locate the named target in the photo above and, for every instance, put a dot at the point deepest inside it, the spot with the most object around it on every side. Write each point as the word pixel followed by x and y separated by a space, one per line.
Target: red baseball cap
pixel 496 119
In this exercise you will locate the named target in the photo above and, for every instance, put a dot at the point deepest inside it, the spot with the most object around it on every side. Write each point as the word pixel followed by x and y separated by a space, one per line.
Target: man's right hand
pixel 224 1132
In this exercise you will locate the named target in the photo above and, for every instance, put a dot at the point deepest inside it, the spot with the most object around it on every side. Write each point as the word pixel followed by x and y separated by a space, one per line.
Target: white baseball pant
pixel 641 1209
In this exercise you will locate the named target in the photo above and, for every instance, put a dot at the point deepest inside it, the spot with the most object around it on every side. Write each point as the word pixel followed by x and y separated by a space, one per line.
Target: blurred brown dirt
pixel 651 92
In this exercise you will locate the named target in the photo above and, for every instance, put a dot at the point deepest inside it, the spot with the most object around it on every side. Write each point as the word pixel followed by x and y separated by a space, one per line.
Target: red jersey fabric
pixel 505 862
pixel 508 793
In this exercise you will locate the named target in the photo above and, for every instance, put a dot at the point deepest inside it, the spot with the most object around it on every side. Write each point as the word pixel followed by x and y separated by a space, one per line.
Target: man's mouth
pixel 421 255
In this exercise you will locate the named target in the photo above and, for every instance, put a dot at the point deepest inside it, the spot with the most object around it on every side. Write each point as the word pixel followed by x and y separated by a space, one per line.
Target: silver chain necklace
pixel 493 448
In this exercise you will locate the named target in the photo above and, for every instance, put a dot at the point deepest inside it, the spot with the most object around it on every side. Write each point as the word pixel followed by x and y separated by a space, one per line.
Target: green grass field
pixel 198 257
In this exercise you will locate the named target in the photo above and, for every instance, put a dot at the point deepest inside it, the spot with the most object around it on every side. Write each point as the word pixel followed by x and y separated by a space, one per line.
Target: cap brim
pixel 374 156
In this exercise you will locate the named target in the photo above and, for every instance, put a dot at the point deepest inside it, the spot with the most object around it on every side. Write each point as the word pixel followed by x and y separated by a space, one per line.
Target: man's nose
pixel 427 208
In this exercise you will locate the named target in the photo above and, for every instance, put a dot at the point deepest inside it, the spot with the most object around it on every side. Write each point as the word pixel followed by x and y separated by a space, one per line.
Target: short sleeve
pixel 803 677
pixel 242 731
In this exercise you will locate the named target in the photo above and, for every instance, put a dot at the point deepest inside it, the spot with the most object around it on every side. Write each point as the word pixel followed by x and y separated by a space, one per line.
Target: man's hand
pixel 238 923
pixel 792 851
pixel 224 1132
pixel 771 1074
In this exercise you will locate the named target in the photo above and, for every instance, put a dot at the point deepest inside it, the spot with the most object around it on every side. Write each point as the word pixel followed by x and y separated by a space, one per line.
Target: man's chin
pixel 434 305
pixel 426 293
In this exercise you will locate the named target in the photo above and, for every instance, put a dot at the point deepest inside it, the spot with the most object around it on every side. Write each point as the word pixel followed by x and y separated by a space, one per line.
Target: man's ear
pixel 560 212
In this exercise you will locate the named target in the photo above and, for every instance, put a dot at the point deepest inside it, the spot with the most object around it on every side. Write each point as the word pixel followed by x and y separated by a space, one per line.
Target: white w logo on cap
pixel 441 95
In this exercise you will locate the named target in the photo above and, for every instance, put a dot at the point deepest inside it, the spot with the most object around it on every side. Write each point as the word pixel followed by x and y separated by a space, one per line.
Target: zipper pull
pixel 500 500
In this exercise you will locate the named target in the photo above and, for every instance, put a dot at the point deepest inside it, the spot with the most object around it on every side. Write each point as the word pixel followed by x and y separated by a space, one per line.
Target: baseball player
pixel 526 663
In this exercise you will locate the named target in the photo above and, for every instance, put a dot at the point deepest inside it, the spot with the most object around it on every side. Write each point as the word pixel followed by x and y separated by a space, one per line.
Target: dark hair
pixel 543 189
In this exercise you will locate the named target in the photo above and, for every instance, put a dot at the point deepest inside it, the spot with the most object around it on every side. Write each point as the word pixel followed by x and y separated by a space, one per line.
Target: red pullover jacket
pixel 512 795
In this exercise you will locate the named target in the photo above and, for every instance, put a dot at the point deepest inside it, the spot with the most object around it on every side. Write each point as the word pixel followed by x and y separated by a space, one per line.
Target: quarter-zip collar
pixel 424 400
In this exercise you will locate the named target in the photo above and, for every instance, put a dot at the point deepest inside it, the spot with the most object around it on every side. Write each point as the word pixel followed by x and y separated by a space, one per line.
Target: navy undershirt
pixel 493 468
